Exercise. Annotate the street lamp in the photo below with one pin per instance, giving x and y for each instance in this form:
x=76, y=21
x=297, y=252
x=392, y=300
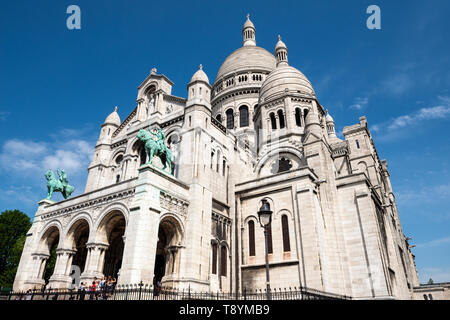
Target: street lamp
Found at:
x=265, y=218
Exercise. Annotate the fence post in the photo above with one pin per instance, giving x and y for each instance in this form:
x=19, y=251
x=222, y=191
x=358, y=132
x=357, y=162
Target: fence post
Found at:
x=140, y=289
x=189, y=292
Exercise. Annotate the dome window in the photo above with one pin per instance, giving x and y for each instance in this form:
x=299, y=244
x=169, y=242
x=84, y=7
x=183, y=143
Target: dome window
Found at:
x=273, y=121
x=230, y=119
x=281, y=118
x=243, y=116
x=298, y=117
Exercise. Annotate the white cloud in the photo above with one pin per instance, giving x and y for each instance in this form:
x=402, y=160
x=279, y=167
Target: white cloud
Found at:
x=359, y=103
x=434, y=243
x=415, y=118
x=24, y=159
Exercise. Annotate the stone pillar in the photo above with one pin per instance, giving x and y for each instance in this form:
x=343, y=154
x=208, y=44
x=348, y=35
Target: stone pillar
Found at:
x=38, y=267
x=94, y=261
x=61, y=278
x=141, y=113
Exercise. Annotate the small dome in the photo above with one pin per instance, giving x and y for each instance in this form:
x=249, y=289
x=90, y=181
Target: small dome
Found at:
x=285, y=78
x=200, y=75
x=280, y=44
x=247, y=58
x=248, y=23
x=113, y=118
x=329, y=118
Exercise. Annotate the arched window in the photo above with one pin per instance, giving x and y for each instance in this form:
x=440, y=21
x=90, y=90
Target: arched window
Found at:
x=243, y=116
x=298, y=116
x=224, y=166
x=214, y=258
x=251, y=238
x=285, y=230
x=305, y=113
x=230, y=119
x=219, y=118
x=281, y=117
x=273, y=121
x=117, y=178
x=223, y=261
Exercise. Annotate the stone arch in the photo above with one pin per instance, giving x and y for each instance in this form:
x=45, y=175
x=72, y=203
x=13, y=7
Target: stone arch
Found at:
x=80, y=216
x=111, y=231
x=50, y=235
x=170, y=239
x=150, y=86
x=137, y=150
x=76, y=238
x=116, y=153
x=362, y=167
x=50, y=239
x=292, y=153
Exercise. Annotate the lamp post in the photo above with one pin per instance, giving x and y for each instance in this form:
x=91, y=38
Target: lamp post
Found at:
x=265, y=218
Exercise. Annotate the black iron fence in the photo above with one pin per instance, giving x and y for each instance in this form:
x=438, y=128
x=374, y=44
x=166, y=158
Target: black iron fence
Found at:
x=146, y=292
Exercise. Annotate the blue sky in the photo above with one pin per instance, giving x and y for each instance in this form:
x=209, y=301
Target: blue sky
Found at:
x=58, y=85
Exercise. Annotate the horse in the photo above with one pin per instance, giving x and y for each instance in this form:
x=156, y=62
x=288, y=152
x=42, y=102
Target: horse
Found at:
x=54, y=184
x=153, y=148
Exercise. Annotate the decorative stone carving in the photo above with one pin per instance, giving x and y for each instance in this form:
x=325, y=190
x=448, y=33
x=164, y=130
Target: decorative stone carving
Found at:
x=173, y=204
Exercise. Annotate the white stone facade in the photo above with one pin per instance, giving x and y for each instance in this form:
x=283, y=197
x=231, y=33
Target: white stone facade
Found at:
x=259, y=132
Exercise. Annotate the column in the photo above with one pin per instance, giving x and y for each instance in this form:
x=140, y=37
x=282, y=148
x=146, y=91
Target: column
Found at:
x=94, y=261
x=61, y=277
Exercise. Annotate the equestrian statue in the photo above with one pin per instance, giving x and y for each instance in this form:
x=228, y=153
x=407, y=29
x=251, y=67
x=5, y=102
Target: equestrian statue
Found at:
x=58, y=185
x=155, y=145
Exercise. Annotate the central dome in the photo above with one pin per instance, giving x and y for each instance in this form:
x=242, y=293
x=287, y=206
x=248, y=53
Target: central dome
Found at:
x=247, y=58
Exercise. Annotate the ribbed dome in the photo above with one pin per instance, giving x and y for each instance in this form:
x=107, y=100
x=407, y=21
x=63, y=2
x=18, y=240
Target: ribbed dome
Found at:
x=247, y=58
x=200, y=75
x=282, y=78
x=113, y=118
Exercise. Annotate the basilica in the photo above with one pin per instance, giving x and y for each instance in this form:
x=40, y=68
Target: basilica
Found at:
x=258, y=132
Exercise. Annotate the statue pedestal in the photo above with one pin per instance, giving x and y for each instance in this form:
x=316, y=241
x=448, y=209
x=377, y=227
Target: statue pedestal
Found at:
x=45, y=202
x=146, y=211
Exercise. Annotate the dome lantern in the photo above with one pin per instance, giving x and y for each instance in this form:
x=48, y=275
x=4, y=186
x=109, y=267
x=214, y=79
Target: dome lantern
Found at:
x=248, y=32
x=281, y=53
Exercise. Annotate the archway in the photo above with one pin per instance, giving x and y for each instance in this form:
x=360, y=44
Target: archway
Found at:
x=48, y=246
x=167, y=249
x=111, y=232
x=78, y=236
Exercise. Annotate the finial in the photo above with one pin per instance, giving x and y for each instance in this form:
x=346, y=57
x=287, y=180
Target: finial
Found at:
x=248, y=16
x=279, y=38
x=153, y=71
x=115, y=109
x=200, y=66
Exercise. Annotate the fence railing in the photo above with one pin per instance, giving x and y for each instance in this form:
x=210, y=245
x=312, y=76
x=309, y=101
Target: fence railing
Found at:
x=148, y=292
